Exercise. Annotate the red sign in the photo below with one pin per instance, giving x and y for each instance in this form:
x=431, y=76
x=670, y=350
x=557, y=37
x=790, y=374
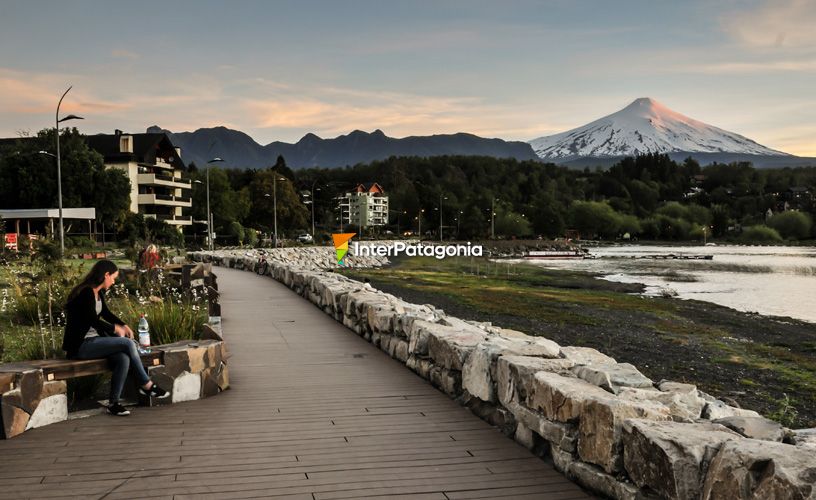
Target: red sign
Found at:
x=11, y=241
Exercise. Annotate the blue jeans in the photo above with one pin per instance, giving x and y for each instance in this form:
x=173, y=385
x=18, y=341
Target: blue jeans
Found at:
x=122, y=356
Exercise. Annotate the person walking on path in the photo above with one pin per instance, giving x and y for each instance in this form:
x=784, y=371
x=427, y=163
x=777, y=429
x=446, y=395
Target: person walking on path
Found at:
x=92, y=331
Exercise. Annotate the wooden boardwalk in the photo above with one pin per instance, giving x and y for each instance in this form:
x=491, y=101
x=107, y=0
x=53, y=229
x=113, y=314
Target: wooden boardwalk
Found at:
x=315, y=412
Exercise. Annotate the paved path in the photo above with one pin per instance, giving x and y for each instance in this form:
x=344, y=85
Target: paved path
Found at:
x=315, y=412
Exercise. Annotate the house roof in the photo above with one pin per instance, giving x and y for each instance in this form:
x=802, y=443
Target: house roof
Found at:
x=146, y=148
x=375, y=188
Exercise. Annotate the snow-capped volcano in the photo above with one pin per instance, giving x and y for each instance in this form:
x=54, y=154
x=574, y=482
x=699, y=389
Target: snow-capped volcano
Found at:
x=645, y=126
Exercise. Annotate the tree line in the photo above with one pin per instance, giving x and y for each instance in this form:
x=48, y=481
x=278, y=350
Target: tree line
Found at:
x=645, y=197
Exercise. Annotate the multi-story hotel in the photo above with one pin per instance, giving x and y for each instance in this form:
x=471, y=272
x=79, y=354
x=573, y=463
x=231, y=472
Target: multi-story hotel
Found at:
x=158, y=188
x=365, y=207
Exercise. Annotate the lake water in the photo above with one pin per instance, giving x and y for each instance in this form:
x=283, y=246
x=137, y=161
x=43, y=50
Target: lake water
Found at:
x=778, y=281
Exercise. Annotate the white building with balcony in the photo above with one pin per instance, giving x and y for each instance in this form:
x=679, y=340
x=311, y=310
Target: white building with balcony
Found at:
x=365, y=207
x=158, y=186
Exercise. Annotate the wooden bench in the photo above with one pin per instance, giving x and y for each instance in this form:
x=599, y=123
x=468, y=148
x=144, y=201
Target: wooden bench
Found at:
x=34, y=393
x=64, y=369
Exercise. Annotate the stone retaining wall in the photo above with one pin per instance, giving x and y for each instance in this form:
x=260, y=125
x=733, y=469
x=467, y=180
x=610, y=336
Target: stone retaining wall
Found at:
x=312, y=257
x=604, y=424
x=189, y=370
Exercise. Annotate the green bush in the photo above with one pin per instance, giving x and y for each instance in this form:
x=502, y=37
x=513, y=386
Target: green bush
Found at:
x=237, y=230
x=791, y=224
x=593, y=218
x=760, y=234
x=80, y=243
x=252, y=237
x=672, y=228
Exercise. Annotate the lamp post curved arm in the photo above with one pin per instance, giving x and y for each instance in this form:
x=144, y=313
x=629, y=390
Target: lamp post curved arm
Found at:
x=59, y=166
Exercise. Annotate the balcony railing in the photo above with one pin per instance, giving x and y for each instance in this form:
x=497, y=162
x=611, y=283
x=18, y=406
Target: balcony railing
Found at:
x=164, y=199
x=172, y=219
x=147, y=179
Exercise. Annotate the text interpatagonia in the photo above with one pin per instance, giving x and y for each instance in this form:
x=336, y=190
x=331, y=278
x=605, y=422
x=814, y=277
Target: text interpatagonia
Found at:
x=416, y=250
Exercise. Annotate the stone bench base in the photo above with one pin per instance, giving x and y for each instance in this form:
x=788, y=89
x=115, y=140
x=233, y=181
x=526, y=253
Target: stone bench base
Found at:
x=34, y=394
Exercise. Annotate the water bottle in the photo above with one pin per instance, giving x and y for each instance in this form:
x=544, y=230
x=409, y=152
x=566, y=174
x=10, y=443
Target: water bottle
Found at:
x=144, y=332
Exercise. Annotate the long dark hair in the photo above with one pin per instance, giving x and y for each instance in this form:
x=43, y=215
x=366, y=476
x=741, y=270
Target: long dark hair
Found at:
x=94, y=278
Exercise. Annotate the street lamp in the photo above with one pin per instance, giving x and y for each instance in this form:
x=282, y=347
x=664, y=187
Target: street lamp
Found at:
x=493, y=218
x=440, y=214
x=209, y=214
x=275, y=205
x=312, y=201
x=419, y=229
x=59, y=168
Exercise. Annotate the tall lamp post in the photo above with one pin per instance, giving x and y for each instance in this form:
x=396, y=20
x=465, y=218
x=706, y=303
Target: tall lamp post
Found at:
x=312, y=201
x=493, y=218
x=59, y=168
x=275, y=206
x=440, y=214
x=209, y=213
x=419, y=218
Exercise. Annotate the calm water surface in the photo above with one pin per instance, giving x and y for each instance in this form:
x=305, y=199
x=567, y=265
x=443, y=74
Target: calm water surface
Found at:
x=778, y=281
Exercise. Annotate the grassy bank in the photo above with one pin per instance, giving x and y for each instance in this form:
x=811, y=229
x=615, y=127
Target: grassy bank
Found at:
x=766, y=364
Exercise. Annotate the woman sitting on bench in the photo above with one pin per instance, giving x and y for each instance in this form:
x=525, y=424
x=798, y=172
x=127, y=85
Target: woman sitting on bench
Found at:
x=87, y=336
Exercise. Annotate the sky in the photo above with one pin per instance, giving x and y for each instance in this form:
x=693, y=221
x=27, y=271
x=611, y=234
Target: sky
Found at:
x=515, y=69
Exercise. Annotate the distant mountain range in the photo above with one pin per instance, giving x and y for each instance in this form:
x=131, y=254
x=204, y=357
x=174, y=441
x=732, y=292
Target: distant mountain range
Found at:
x=644, y=126
x=240, y=151
x=647, y=126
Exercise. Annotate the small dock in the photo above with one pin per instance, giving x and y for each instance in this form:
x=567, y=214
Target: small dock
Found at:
x=663, y=256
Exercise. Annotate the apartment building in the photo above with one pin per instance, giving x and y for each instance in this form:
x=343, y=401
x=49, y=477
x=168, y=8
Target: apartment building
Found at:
x=365, y=207
x=158, y=186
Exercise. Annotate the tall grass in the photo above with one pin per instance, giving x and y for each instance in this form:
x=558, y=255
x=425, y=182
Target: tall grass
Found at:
x=170, y=320
x=32, y=317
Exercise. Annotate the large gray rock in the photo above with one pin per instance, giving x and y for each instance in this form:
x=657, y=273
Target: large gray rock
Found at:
x=613, y=376
x=672, y=458
x=754, y=427
x=449, y=347
x=562, y=436
x=560, y=398
x=479, y=372
x=684, y=406
x=595, y=479
x=753, y=469
x=514, y=375
x=805, y=438
x=600, y=428
x=586, y=356
x=717, y=409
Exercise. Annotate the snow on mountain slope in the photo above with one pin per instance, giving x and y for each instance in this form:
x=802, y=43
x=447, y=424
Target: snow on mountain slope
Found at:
x=645, y=126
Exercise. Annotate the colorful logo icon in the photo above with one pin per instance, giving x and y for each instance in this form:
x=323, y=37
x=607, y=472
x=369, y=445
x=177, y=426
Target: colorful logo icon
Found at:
x=341, y=246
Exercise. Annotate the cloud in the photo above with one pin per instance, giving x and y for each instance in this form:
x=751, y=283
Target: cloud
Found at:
x=332, y=110
x=31, y=93
x=776, y=24
x=746, y=67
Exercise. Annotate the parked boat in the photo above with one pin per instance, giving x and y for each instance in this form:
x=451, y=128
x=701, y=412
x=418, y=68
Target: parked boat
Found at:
x=557, y=254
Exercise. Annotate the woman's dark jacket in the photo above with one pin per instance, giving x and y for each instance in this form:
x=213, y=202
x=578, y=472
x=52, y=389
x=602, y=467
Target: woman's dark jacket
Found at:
x=81, y=316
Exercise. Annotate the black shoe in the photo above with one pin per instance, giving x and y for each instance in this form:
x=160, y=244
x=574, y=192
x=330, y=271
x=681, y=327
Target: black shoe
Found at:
x=118, y=410
x=154, y=392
